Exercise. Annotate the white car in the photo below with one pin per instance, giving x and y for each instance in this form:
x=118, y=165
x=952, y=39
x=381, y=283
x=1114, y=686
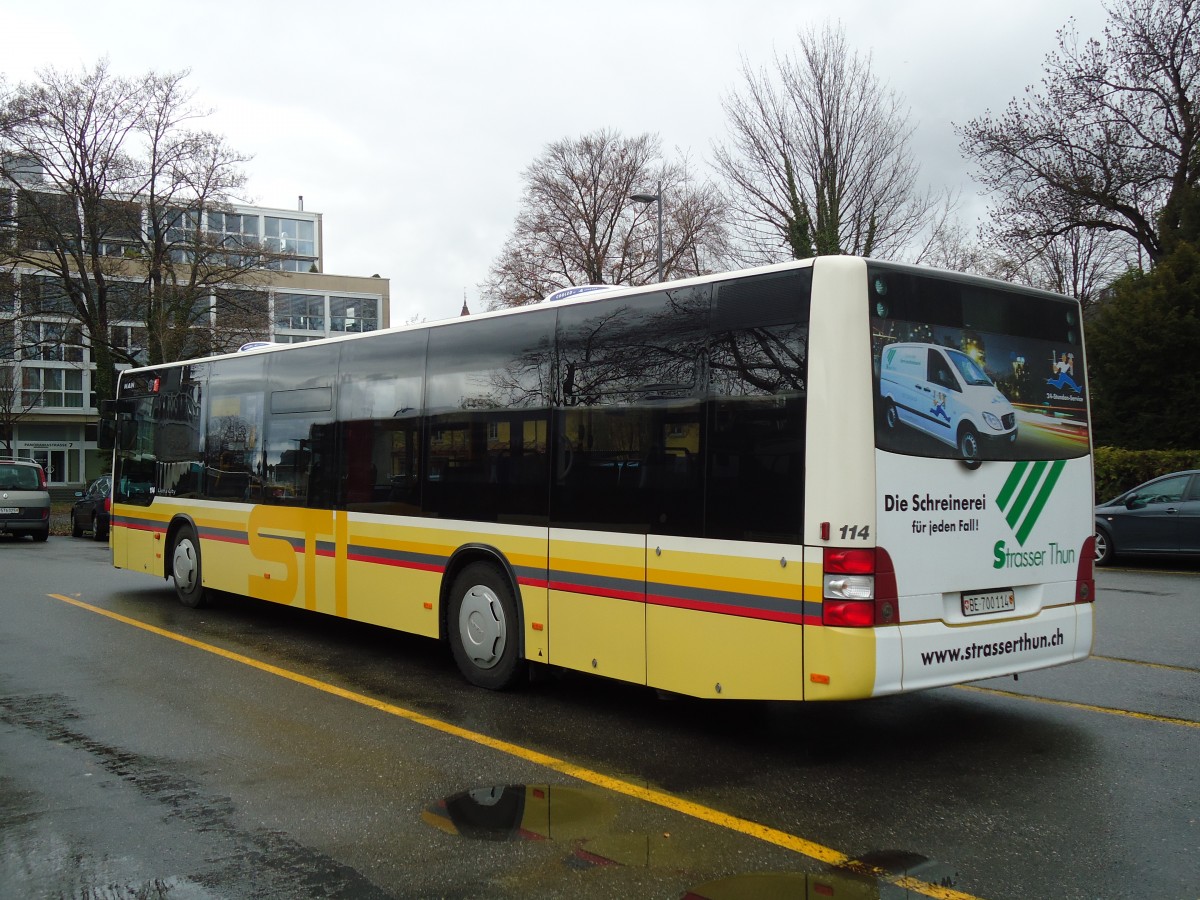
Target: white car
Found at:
x=24, y=499
x=946, y=394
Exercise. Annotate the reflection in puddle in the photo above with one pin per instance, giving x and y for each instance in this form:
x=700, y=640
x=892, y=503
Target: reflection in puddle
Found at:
x=893, y=864
x=585, y=821
x=576, y=817
x=879, y=875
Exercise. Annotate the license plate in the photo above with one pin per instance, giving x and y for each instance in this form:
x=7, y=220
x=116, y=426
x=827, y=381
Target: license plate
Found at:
x=983, y=603
x=9, y=510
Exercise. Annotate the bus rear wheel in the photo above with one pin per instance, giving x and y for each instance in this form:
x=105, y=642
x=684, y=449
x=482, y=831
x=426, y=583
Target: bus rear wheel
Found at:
x=185, y=569
x=483, y=627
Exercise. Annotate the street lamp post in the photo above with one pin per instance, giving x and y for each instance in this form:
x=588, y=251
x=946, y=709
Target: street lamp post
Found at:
x=654, y=198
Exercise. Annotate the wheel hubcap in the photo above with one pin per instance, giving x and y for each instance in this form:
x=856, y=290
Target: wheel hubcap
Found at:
x=481, y=626
x=184, y=566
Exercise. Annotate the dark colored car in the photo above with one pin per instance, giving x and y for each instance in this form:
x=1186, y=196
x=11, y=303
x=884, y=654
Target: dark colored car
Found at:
x=1161, y=516
x=92, y=508
x=24, y=499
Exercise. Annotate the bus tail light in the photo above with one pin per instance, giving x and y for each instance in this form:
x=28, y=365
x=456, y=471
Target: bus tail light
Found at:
x=1085, y=579
x=860, y=588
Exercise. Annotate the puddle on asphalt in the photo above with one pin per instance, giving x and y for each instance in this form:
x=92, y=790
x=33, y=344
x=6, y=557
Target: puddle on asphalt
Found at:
x=583, y=821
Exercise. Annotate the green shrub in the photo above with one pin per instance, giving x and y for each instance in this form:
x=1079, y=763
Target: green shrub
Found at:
x=1118, y=470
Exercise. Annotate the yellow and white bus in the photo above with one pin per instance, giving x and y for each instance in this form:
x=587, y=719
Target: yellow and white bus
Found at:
x=828, y=479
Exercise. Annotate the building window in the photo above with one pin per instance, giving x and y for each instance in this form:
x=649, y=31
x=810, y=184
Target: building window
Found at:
x=120, y=226
x=181, y=234
x=127, y=300
x=133, y=341
x=353, y=314
x=61, y=388
x=300, y=312
x=294, y=238
x=234, y=229
x=45, y=296
x=8, y=294
x=52, y=342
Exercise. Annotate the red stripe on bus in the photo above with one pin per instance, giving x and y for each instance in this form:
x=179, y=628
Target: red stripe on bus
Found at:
x=745, y=612
x=398, y=563
x=224, y=538
x=595, y=592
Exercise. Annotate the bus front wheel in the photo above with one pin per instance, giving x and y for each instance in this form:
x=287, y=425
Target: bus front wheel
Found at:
x=483, y=627
x=185, y=569
x=968, y=446
x=891, y=415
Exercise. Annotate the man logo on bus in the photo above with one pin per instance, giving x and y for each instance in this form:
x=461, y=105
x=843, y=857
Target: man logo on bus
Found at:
x=938, y=410
x=1064, y=372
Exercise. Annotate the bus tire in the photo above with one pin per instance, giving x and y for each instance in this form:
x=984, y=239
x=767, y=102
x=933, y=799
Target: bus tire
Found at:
x=483, y=627
x=185, y=569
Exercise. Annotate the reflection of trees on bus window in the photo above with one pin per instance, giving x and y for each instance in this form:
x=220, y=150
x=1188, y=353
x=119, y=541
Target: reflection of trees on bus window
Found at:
x=299, y=447
x=380, y=394
x=757, y=408
x=629, y=429
x=639, y=418
x=233, y=468
x=487, y=395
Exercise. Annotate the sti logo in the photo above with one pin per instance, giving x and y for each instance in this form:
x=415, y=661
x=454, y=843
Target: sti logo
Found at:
x=1025, y=493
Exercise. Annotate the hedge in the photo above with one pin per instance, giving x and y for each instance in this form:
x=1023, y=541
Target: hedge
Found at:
x=1118, y=470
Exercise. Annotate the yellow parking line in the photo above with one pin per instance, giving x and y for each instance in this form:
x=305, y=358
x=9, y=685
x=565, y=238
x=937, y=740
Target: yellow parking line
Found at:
x=1086, y=707
x=1146, y=665
x=617, y=785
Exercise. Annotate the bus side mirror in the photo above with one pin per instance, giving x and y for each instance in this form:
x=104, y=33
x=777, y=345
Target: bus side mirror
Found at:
x=106, y=434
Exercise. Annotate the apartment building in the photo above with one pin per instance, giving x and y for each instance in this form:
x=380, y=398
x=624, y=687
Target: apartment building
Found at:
x=47, y=405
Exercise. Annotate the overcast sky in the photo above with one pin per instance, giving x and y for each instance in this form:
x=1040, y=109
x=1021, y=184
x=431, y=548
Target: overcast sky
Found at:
x=408, y=125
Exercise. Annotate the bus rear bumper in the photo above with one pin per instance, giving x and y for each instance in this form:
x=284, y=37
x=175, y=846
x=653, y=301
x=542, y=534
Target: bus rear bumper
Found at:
x=932, y=654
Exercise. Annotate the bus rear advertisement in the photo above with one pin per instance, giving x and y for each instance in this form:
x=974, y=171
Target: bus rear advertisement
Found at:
x=828, y=479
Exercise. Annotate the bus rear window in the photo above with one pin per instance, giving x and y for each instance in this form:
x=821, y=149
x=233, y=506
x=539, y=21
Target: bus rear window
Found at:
x=966, y=370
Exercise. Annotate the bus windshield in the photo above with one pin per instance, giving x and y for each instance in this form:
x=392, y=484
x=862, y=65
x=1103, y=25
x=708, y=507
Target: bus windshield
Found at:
x=968, y=368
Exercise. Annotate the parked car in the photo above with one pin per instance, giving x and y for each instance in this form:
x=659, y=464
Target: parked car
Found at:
x=24, y=499
x=1161, y=516
x=92, y=508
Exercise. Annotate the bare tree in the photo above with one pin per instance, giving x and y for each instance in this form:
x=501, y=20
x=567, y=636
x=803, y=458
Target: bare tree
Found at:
x=110, y=187
x=1080, y=263
x=818, y=159
x=578, y=225
x=1110, y=142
